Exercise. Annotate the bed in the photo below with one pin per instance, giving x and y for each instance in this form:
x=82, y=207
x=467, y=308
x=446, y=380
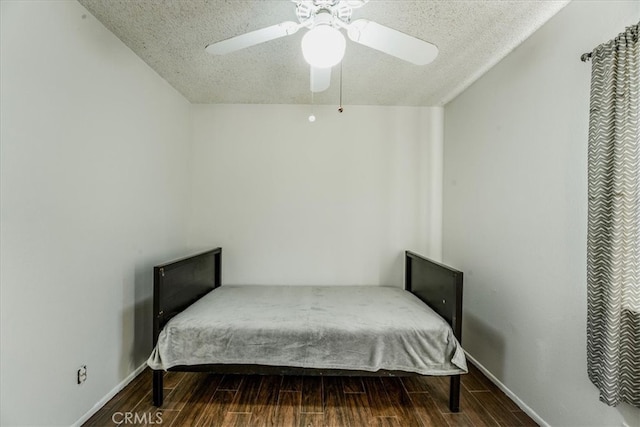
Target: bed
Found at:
x=200, y=325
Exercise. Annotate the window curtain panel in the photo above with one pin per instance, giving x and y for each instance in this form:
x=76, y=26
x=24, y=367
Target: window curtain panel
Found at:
x=613, y=246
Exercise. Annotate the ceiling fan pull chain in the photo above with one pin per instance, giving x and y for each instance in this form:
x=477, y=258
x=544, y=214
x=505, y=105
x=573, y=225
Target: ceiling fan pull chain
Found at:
x=312, y=117
x=340, y=109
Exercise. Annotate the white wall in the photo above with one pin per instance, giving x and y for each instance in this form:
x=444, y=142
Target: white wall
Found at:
x=94, y=187
x=515, y=213
x=331, y=202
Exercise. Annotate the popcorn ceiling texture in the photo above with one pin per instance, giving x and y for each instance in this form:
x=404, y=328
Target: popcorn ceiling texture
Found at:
x=171, y=36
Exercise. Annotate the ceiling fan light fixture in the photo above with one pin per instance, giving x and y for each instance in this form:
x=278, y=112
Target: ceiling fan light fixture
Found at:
x=323, y=46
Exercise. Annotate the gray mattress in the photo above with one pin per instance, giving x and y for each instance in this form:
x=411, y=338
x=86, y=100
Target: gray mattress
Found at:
x=366, y=328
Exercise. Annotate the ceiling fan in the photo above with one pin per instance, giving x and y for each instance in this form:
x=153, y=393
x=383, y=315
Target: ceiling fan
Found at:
x=323, y=45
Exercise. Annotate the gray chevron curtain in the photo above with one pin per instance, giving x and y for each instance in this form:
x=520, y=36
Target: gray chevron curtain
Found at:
x=613, y=246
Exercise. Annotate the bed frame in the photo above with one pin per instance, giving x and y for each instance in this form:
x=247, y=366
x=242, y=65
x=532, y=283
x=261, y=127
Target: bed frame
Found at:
x=178, y=284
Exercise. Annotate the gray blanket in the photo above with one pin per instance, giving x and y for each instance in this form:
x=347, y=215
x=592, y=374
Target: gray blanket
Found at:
x=325, y=327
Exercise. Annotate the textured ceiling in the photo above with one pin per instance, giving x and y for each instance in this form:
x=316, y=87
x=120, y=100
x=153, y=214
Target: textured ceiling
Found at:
x=170, y=36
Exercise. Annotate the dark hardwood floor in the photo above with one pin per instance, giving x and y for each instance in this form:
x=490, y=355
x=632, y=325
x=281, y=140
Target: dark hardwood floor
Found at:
x=199, y=399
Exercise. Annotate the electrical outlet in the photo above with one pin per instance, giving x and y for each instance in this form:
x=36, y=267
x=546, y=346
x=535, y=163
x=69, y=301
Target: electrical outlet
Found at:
x=82, y=374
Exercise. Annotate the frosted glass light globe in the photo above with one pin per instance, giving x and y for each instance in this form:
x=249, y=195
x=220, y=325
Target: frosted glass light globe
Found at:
x=323, y=46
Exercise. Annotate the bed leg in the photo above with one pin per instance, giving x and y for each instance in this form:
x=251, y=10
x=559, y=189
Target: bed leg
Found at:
x=157, y=387
x=454, y=393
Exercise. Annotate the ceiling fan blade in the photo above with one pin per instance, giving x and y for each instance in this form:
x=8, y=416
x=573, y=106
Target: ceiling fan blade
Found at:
x=392, y=42
x=320, y=79
x=252, y=38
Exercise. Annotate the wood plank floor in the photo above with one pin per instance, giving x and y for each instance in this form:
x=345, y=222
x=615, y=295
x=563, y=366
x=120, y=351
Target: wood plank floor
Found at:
x=200, y=399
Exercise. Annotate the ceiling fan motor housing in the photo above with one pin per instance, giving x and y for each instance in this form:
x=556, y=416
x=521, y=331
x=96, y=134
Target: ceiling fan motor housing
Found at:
x=336, y=13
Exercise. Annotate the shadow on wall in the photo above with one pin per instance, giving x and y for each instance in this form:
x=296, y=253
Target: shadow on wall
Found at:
x=137, y=324
x=391, y=270
x=484, y=343
x=142, y=316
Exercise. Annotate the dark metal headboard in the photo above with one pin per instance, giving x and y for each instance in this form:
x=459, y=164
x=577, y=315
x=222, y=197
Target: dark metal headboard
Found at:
x=438, y=285
x=178, y=284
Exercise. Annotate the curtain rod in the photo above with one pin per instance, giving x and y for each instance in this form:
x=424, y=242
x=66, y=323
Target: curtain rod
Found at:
x=585, y=57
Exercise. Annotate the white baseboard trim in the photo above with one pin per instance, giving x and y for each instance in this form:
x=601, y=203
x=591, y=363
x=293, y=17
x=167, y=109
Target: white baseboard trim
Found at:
x=526, y=409
x=110, y=395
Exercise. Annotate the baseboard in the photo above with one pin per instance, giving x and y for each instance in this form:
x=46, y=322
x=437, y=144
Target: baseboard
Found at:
x=526, y=409
x=110, y=395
